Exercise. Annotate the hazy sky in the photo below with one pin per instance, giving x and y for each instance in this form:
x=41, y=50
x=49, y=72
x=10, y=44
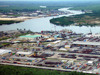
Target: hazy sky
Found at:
x=49, y=0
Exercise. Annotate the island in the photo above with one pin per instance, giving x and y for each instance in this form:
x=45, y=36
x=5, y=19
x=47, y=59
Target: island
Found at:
x=77, y=20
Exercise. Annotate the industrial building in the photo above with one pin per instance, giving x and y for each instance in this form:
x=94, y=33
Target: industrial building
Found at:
x=4, y=52
x=82, y=43
x=20, y=53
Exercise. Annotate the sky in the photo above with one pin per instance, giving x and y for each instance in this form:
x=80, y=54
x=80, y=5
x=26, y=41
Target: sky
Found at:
x=49, y=0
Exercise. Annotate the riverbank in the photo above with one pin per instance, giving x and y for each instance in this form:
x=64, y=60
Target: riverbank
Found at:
x=4, y=21
x=77, y=20
x=19, y=18
x=40, y=24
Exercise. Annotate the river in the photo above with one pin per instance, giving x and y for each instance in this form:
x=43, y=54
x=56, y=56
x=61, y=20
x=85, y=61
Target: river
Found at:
x=39, y=24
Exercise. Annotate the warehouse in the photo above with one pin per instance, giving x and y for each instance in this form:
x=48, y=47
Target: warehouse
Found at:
x=55, y=62
x=30, y=36
x=20, y=53
x=4, y=52
x=81, y=43
x=93, y=35
x=23, y=58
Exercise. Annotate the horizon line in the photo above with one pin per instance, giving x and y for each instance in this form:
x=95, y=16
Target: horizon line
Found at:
x=52, y=0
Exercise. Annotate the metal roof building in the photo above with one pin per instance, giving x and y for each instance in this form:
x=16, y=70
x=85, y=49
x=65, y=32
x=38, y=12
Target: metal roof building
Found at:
x=3, y=51
x=24, y=53
x=24, y=58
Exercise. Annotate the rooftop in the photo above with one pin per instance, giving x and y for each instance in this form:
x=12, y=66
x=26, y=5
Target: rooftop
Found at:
x=25, y=53
x=27, y=58
x=3, y=51
x=30, y=36
x=87, y=43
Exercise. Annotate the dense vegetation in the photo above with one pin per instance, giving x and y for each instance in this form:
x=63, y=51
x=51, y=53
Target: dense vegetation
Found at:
x=61, y=21
x=15, y=70
x=29, y=6
x=25, y=6
x=87, y=19
x=8, y=22
x=80, y=20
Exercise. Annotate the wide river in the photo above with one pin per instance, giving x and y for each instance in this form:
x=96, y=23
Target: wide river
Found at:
x=39, y=24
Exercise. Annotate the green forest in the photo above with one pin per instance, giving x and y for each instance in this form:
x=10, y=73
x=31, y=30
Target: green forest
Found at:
x=29, y=6
x=79, y=20
x=87, y=19
x=15, y=70
x=8, y=22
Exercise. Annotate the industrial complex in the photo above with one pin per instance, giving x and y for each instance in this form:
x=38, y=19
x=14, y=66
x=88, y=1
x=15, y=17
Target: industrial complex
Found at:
x=57, y=50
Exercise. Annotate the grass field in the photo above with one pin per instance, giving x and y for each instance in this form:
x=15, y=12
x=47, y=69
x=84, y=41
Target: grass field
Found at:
x=15, y=70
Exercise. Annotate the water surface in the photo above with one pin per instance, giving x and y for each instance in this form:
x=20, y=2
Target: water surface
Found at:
x=39, y=24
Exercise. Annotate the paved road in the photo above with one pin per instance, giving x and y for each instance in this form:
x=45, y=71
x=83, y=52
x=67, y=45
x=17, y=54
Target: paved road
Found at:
x=50, y=68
